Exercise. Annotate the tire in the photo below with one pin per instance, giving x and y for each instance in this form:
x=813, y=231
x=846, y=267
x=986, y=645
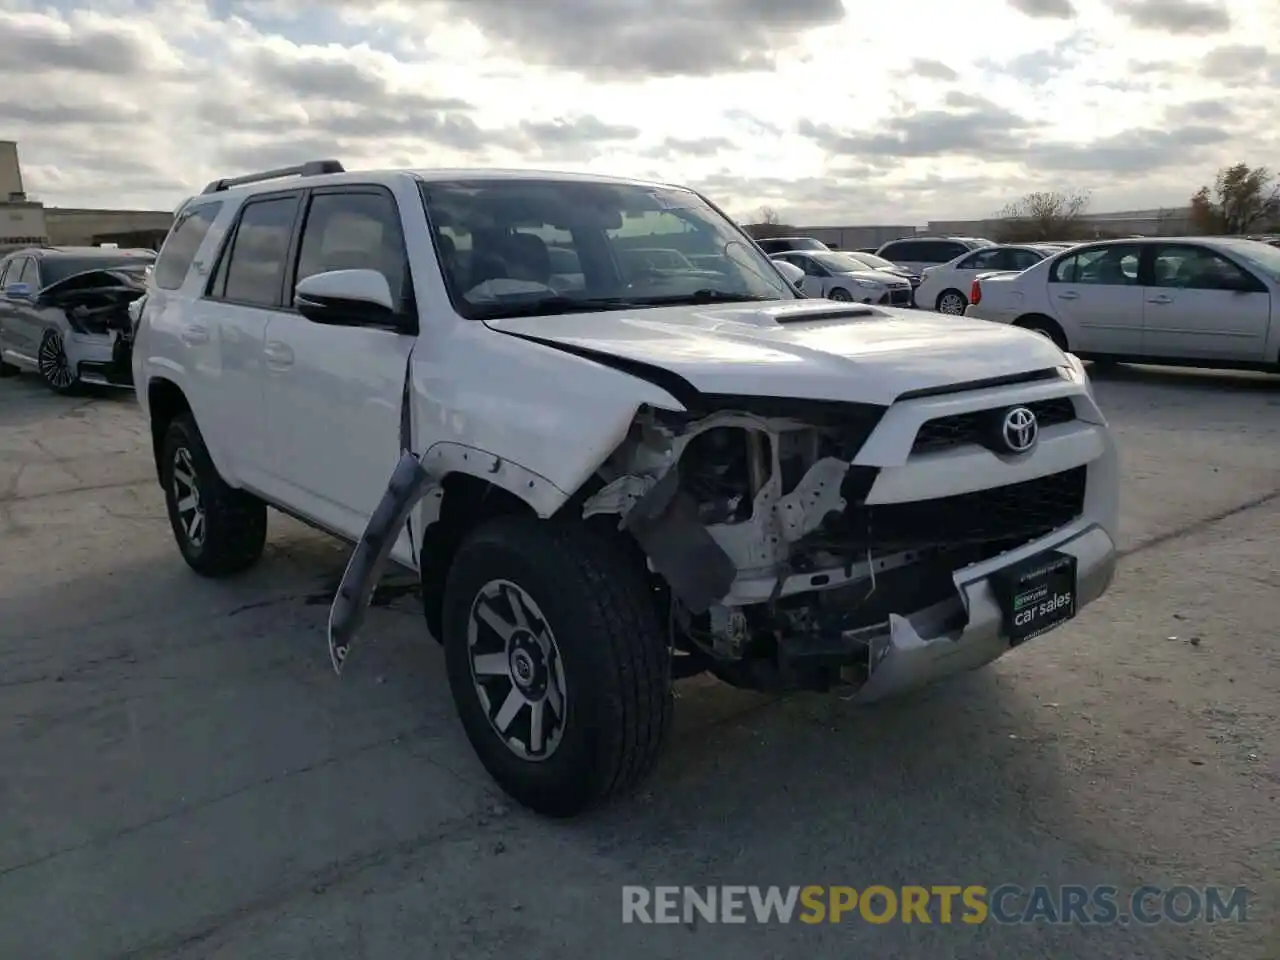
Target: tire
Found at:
x=606, y=663
x=231, y=531
x=951, y=302
x=51, y=362
x=1046, y=328
x=840, y=294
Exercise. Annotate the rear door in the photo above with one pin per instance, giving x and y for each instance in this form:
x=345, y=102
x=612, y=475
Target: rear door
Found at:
x=1201, y=305
x=1097, y=296
x=329, y=385
x=226, y=332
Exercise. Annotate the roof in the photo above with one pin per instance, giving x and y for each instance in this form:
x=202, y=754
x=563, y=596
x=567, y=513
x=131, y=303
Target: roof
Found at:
x=284, y=181
x=55, y=252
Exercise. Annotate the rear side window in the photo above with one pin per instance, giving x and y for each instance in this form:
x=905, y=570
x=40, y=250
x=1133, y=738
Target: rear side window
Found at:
x=254, y=268
x=898, y=251
x=182, y=244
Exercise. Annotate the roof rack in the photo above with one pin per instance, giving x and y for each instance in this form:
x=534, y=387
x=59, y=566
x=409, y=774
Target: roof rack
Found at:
x=312, y=168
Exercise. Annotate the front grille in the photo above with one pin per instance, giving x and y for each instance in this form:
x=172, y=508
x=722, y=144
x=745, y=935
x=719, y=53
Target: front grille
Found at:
x=1012, y=513
x=900, y=297
x=982, y=427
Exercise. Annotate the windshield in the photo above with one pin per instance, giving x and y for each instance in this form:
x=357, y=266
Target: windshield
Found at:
x=840, y=262
x=873, y=262
x=1261, y=254
x=531, y=247
x=55, y=269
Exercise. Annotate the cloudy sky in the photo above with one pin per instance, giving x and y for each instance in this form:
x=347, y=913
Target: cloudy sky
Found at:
x=830, y=112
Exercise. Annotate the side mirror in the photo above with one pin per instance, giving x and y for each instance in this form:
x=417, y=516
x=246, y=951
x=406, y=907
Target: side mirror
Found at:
x=789, y=270
x=357, y=298
x=18, y=291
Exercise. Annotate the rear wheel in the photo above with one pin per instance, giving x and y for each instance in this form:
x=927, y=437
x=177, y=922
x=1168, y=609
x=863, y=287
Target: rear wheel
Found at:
x=220, y=530
x=51, y=361
x=557, y=662
x=952, y=302
x=840, y=294
x=1046, y=328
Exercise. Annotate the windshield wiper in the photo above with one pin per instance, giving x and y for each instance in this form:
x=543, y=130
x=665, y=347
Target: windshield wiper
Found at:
x=703, y=296
x=551, y=306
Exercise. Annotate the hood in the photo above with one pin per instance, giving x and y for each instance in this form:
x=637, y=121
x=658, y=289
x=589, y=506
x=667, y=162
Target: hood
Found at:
x=803, y=349
x=878, y=276
x=103, y=285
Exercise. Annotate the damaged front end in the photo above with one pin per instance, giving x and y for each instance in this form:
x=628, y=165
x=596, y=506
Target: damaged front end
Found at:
x=97, y=303
x=780, y=575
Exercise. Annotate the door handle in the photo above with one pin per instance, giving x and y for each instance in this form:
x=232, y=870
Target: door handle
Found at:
x=1160, y=299
x=194, y=336
x=1069, y=295
x=278, y=354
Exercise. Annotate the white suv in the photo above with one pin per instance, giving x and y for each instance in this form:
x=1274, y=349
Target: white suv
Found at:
x=609, y=474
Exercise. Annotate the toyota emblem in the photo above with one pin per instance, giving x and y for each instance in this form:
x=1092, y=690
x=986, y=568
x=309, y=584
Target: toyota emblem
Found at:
x=1020, y=430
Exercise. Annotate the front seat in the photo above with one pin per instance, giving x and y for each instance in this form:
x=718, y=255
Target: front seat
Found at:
x=529, y=255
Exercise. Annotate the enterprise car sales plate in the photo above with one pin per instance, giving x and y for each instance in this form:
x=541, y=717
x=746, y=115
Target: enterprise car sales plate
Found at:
x=1036, y=595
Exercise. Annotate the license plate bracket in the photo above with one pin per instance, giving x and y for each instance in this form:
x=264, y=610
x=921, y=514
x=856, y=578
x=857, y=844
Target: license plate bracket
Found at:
x=1036, y=595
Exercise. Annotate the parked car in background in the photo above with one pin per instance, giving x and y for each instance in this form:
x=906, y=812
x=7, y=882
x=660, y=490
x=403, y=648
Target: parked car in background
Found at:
x=945, y=288
x=840, y=276
x=882, y=265
x=1194, y=301
x=64, y=313
x=916, y=253
x=772, y=245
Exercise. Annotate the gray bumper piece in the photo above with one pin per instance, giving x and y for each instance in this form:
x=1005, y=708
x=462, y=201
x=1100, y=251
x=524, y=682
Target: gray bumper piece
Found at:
x=410, y=482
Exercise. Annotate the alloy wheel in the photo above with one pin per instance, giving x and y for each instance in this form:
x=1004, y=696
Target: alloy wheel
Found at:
x=951, y=303
x=52, y=362
x=517, y=670
x=186, y=496
x=842, y=296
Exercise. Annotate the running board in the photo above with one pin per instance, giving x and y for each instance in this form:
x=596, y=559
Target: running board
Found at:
x=410, y=482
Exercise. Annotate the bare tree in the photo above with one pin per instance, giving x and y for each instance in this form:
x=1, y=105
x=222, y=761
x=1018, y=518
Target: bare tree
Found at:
x=768, y=224
x=1242, y=198
x=1043, y=215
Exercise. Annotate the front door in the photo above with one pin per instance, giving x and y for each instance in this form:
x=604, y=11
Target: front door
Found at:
x=1200, y=305
x=1097, y=295
x=334, y=393
x=22, y=328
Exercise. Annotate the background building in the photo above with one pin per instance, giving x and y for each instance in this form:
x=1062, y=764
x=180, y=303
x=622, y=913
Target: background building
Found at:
x=26, y=222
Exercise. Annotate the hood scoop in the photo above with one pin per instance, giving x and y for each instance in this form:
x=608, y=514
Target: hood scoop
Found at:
x=814, y=316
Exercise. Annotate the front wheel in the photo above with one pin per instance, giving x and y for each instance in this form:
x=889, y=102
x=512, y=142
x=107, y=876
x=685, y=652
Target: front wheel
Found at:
x=841, y=294
x=557, y=663
x=51, y=361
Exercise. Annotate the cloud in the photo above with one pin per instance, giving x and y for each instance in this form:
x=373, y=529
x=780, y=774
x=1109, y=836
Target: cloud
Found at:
x=1045, y=9
x=1241, y=63
x=973, y=126
x=618, y=39
x=135, y=104
x=1039, y=67
x=1183, y=17
x=932, y=70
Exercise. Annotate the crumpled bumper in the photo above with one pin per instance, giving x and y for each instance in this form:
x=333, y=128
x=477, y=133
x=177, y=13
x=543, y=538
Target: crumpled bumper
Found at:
x=915, y=655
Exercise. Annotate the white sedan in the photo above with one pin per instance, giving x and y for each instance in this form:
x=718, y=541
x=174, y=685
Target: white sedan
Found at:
x=1196, y=301
x=839, y=276
x=945, y=288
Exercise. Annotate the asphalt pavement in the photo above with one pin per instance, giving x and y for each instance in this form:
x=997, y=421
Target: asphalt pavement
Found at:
x=182, y=775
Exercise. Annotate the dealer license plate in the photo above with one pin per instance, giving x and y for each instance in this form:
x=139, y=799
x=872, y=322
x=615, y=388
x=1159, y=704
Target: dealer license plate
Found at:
x=1036, y=595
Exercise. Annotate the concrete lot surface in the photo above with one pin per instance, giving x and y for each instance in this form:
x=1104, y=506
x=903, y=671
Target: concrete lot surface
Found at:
x=182, y=775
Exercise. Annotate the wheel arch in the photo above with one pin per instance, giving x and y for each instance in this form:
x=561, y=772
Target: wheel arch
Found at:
x=1028, y=320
